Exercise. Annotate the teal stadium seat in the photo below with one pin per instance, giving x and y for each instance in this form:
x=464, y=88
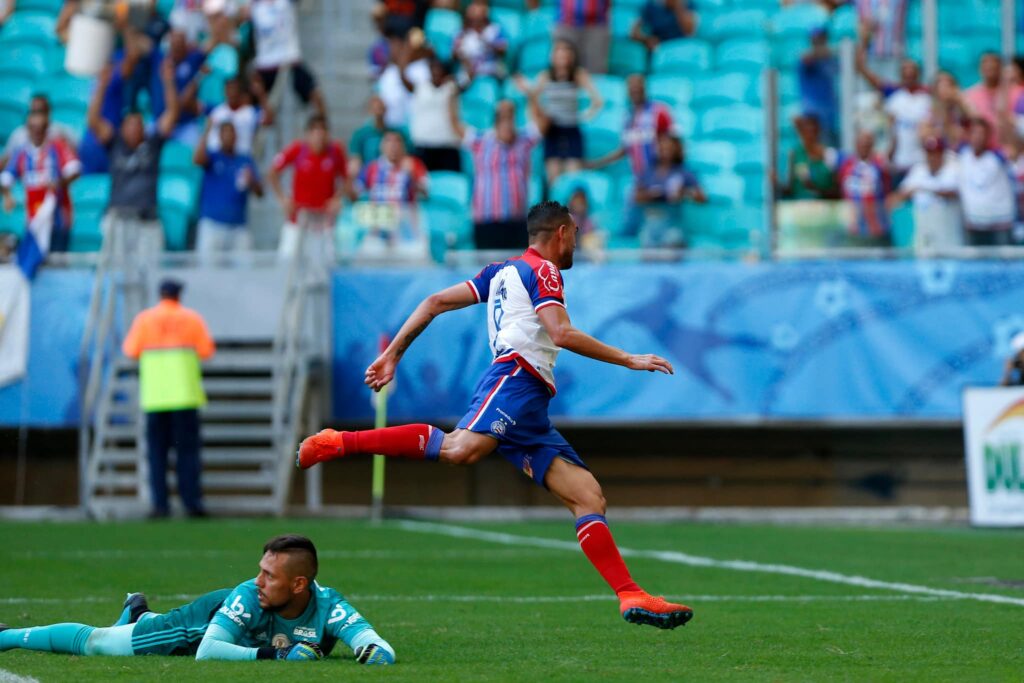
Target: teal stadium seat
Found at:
x=15, y=91
x=843, y=24
x=517, y=5
x=739, y=123
x=786, y=53
x=176, y=190
x=535, y=186
x=959, y=19
x=723, y=188
x=684, y=120
x=511, y=23
x=597, y=185
x=89, y=197
x=599, y=141
x=535, y=55
x=64, y=89
x=448, y=186
x=441, y=27
x=750, y=158
x=621, y=20
x=685, y=56
x=484, y=89
x=711, y=156
x=670, y=89
x=28, y=60
x=796, y=21
x=743, y=54
x=612, y=89
x=477, y=114
x=714, y=90
x=31, y=27
x=223, y=64
x=734, y=24
x=540, y=23
x=176, y=159
x=12, y=115
x=71, y=115
x=175, y=221
x=14, y=221
x=47, y=6
x=626, y=57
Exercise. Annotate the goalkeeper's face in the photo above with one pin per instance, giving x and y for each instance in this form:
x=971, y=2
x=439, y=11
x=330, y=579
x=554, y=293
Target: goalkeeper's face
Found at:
x=276, y=584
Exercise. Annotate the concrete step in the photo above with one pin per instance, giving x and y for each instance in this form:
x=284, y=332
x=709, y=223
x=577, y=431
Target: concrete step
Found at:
x=238, y=386
x=240, y=481
x=232, y=431
x=262, y=457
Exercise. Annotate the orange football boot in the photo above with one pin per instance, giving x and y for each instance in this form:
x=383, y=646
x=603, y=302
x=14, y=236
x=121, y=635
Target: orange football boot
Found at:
x=325, y=445
x=639, y=607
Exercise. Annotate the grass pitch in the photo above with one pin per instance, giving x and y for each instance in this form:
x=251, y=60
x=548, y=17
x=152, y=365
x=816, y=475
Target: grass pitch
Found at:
x=470, y=606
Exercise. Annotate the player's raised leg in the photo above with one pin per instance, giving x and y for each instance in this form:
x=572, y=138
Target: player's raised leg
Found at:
x=414, y=441
x=577, y=488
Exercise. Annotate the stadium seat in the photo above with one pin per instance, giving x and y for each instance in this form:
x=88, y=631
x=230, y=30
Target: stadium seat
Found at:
x=175, y=220
x=535, y=55
x=90, y=191
x=484, y=89
x=786, y=53
x=612, y=89
x=682, y=57
x=788, y=88
x=518, y=5
x=598, y=141
x=734, y=24
x=843, y=24
x=621, y=20
x=739, y=123
x=68, y=90
x=597, y=185
x=176, y=158
x=535, y=186
x=750, y=157
x=11, y=116
x=15, y=91
x=710, y=156
x=796, y=21
x=24, y=59
x=720, y=89
x=48, y=6
x=477, y=114
x=626, y=57
x=450, y=221
x=743, y=54
x=723, y=188
x=176, y=190
x=670, y=89
x=957, y=19
x=14, y=221
x=441, y=27
x=684, y=120
x=540, y=23
x=71, y=115
x=30, y=27
x=449, y=186
x=511, y=22
x=223, y=64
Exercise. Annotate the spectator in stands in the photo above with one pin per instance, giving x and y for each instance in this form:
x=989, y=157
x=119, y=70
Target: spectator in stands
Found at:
x=645, y=121
x=864, y=181
x=378, y=54
x=812, y=163
x=591, y=237
x=555, y=105
x=994, y=96
x=405, y=15
x=246, y=117
x=187, y=62
x=828, y=5
x=189, y=18
x=660, y=193
x=39, y=105
x=908, y=105
x=584, y=23
x=482, y=44
x=131, y=222
x=228, y=178
x=364, y=144
x=276, y=30
x=1013, y=370
x=662, y=20
x=501, y=167
x=934, y=185
x=45, y=166
x=319, y=183
x=394, y=176
x=437, y=144
x=411, y=53
x=817, y=75
x=883, y=29
x=948, y=118
x=169, y=341
x=986, y=188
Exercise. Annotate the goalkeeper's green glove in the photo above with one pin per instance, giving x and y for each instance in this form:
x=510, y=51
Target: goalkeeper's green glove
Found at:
x=374, y=654
x=300, y=652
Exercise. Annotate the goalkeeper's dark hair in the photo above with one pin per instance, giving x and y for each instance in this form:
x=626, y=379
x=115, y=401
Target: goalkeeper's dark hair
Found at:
x=300, y=551
x=545, y=217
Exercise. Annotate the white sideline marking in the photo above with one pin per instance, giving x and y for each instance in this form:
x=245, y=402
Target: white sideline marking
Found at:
x=11, y=677
x=698, y=561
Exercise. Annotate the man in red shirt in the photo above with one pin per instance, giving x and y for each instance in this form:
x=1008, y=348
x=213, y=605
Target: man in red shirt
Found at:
x=319, y=182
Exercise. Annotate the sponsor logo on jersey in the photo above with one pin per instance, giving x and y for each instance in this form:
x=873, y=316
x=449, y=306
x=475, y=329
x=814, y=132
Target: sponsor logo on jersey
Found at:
x=356, y=616
x=498, y=427
x=280, y=640
x=506, y=416
x=527, y=467
x=548, y=274
x=303, y=632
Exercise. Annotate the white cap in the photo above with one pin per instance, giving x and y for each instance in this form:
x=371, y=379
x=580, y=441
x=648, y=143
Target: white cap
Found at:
x=1017, y=343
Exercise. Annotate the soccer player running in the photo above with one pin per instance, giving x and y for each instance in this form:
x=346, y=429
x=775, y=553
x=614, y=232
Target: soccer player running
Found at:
x=527, y=325
x=281, y=614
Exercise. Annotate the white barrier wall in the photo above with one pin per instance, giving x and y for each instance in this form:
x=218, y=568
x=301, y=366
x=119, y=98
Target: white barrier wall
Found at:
x=994, y=446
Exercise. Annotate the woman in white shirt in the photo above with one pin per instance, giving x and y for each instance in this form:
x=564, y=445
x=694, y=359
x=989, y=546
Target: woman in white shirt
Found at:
x=430, y=120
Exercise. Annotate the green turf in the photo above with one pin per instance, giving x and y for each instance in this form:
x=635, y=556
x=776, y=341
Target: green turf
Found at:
x=407, y=584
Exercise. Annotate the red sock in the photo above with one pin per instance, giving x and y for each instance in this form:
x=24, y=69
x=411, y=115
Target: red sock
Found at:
x=418, y=441
x=599, y=547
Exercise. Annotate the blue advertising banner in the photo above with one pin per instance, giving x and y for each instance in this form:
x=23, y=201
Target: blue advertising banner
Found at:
x=838, y=340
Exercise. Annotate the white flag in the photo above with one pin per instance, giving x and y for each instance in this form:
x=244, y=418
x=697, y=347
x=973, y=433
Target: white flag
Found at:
x=14, y=310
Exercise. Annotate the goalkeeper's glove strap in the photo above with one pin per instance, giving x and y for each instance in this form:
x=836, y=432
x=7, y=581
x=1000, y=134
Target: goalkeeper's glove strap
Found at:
x=266, y=653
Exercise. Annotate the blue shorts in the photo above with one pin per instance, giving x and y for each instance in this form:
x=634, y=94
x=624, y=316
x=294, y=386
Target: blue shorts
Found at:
x=511, y=405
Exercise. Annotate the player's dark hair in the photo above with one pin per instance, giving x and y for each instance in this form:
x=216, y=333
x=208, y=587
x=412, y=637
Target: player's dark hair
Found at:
x=316, y=121
x=298, y=547
x=546, y=217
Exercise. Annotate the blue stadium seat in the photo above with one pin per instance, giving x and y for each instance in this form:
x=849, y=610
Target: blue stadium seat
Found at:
x=449, y=186
x=716, y=90
x=843, y=24
x=24, y=59
x=477, y=114
x=739, y=123
x=786, y=53
x=612, y=89
x=223, y=64
x=540, y=23
x=11, y=116
x=483, y=88
x=175, y=220
x=176, y=158
x=599, y=141
x=176, y=190
x=743, y=54
x=65, y=89
x=90, y=191
x=671, y=89
x=15, y=91
x=441, y=27
x=14, y=222
x=734, y=24
x=710, y=156
x=71, y=115
x=31, y=27
x=626, y=57
x=535, y=55
x=683, y=56
x=621, y=20
x=511, y=22
x=684, y=120
x=750, y=158
x=796, y=21
x=597, y=185
x=48, y=6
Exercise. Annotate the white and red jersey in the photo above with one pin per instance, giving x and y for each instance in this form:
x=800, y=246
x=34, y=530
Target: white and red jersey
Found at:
x=39, y=169
x=515, y=290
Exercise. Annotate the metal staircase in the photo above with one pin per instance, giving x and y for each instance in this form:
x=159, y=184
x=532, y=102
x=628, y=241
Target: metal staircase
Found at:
x=259, y=391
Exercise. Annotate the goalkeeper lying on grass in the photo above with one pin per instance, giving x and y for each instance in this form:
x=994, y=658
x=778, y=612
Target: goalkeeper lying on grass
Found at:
x=281, y=614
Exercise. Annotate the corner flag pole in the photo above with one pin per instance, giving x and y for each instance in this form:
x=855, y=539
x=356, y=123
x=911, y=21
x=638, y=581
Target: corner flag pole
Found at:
x=380, y=400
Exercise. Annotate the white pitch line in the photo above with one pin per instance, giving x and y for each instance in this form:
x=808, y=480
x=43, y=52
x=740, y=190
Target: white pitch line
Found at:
x=698, y=561
x=119, y=555
x=11, y=677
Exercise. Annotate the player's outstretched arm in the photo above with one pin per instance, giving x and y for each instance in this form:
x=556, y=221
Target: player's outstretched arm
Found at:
x=564, y=335
x=382, y=370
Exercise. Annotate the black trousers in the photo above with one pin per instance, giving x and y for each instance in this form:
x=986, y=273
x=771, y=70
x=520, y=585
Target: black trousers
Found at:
x=178, y=429
x=496, y=235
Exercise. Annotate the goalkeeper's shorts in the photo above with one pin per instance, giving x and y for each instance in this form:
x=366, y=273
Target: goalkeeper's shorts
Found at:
x=178, y=632
x=511, y=405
